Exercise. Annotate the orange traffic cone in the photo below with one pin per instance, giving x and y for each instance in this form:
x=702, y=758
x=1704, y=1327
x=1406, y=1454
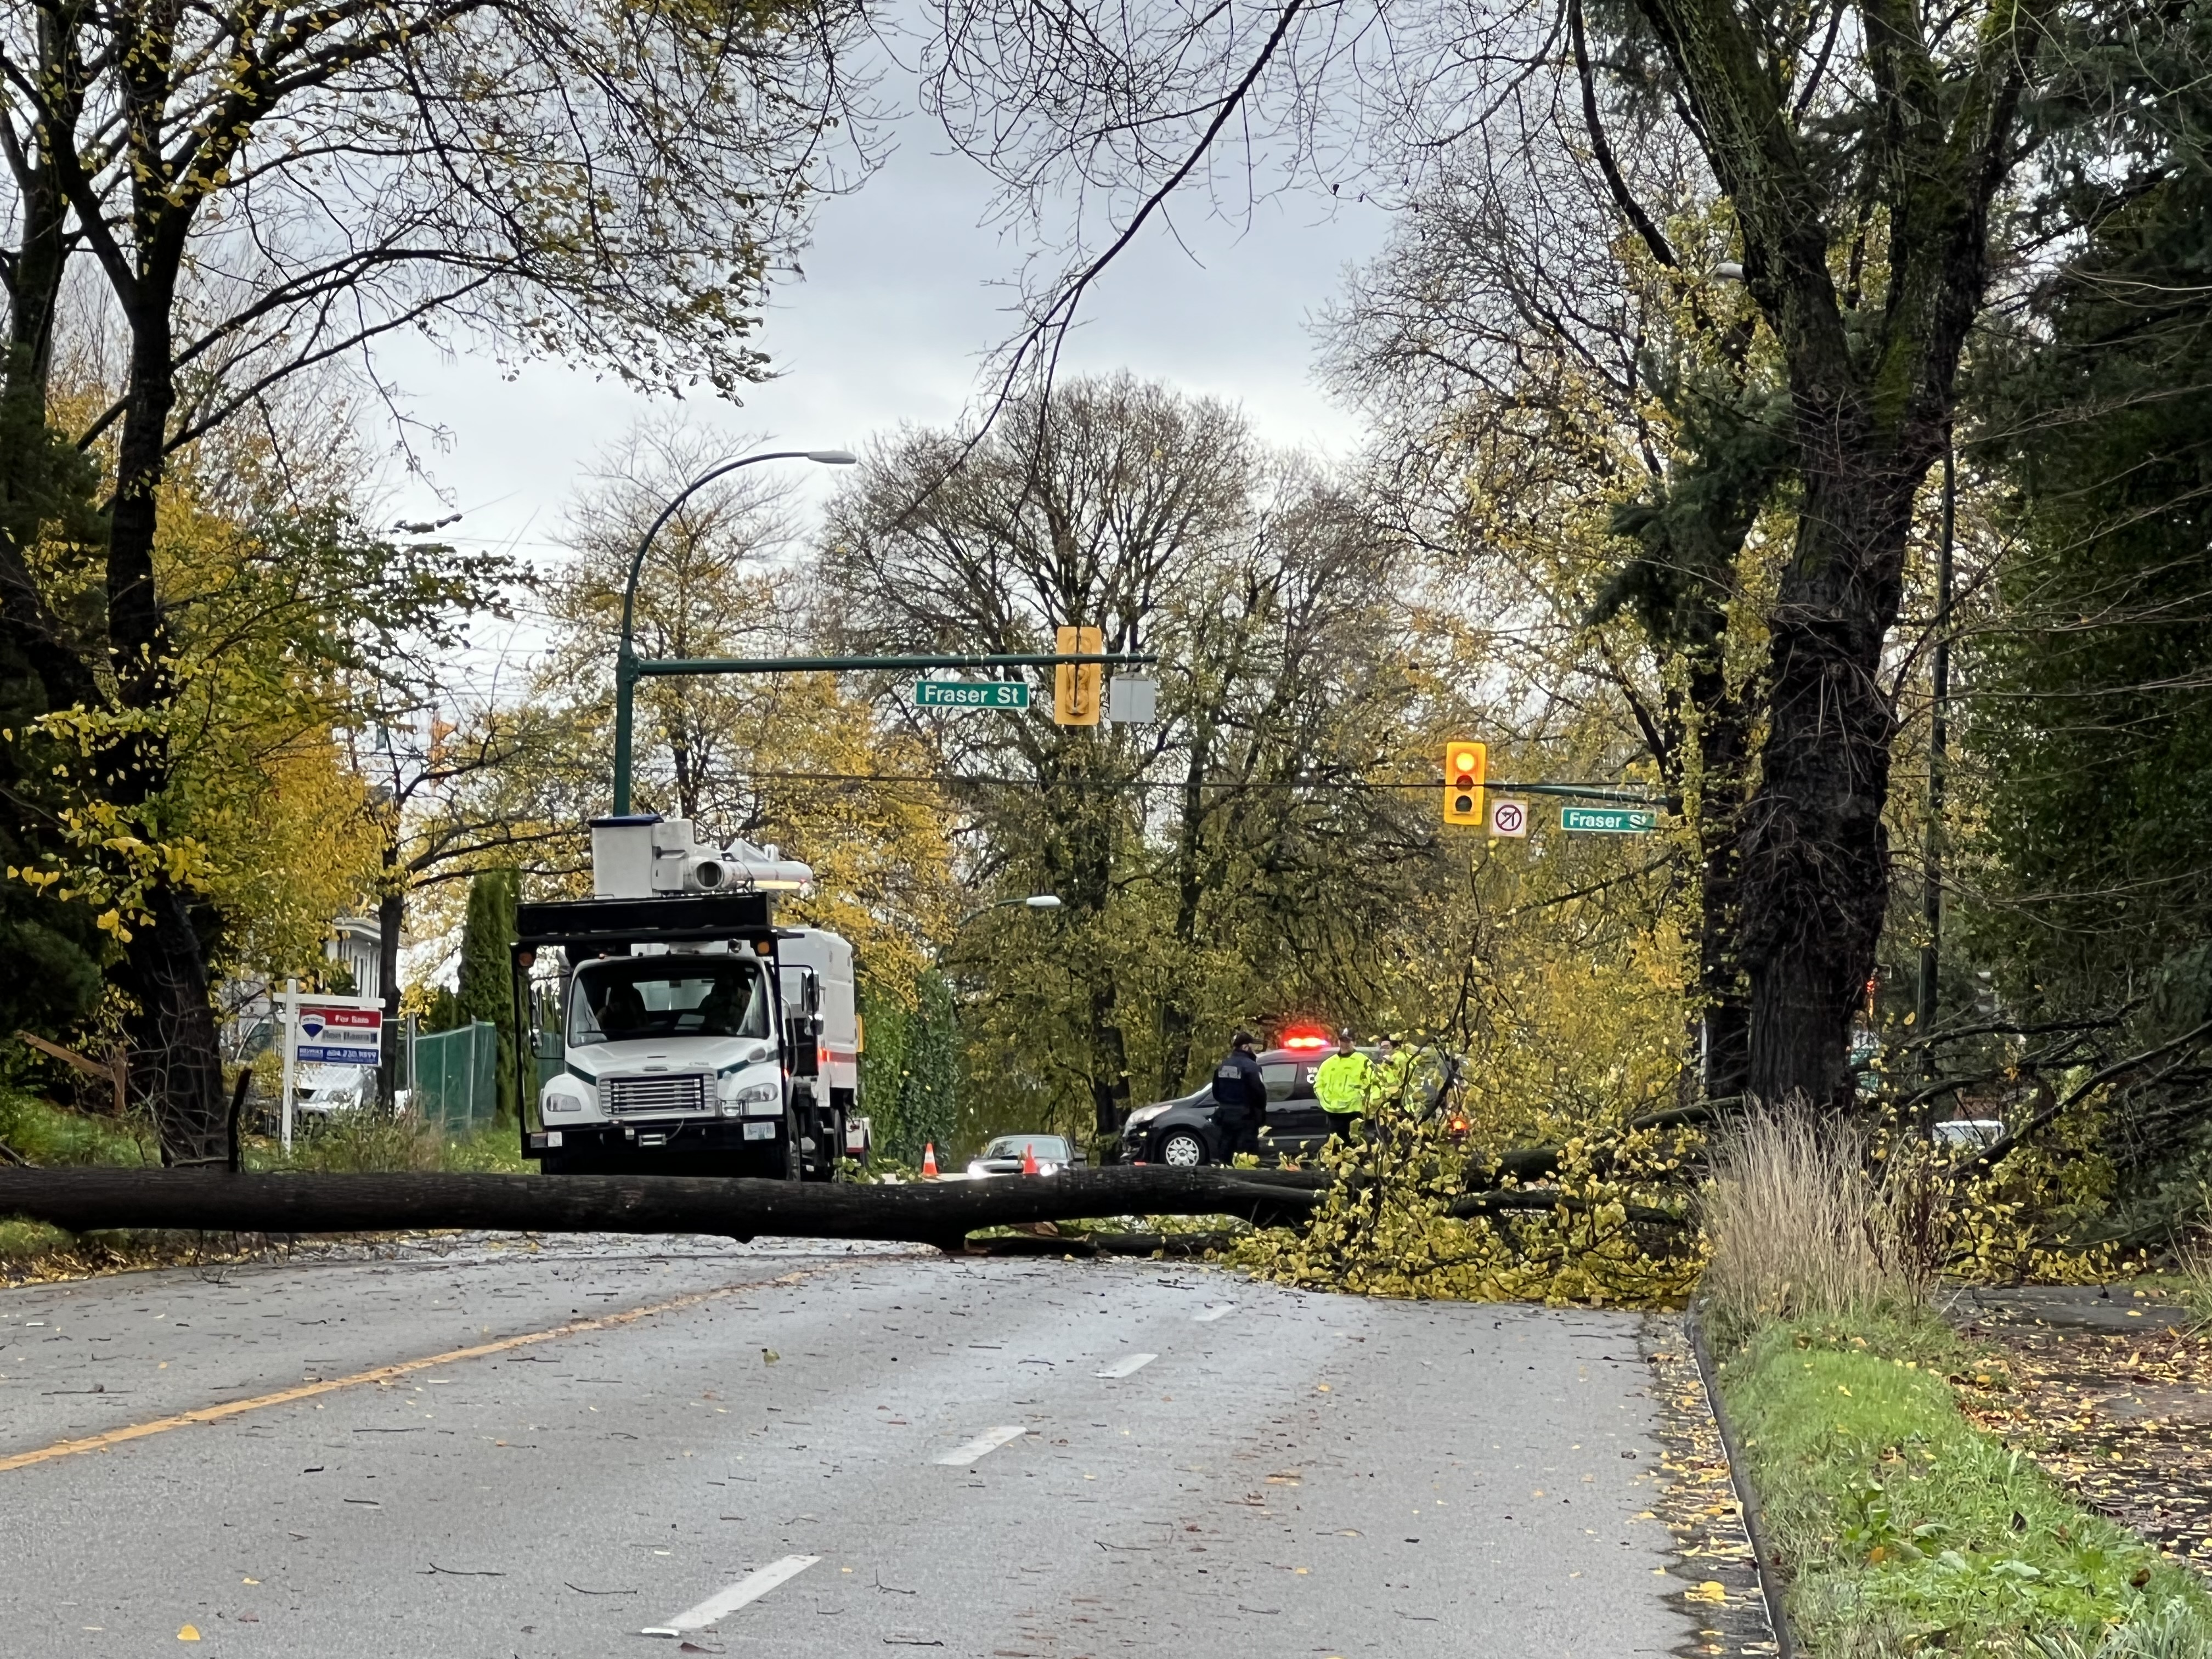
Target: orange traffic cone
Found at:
x=929, y=1160
x=1029, y=1160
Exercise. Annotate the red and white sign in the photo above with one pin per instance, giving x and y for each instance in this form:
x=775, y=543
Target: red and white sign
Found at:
x=340, y=1036
x=1508, y=818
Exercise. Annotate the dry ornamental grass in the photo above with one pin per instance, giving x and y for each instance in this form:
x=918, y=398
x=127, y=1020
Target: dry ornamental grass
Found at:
x=1796, y=1227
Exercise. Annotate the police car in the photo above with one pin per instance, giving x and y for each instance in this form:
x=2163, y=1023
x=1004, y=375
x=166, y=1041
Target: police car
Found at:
x=1183, y=1134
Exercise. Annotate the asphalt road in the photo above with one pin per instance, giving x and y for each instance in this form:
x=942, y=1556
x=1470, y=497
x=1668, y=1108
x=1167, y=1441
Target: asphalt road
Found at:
x=987, y=1458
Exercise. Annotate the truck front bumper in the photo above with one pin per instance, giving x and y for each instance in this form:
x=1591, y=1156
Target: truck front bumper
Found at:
x=689, y=1135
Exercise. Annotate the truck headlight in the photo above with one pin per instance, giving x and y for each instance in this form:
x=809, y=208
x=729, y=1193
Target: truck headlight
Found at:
x=754, y=1100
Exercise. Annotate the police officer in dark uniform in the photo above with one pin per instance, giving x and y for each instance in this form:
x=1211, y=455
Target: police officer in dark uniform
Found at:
x=1240, y=1096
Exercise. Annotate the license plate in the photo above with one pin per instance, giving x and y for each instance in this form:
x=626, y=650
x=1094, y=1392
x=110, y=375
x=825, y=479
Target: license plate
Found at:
x=763, y=1131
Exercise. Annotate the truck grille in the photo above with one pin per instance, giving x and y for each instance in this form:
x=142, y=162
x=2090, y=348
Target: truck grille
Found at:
x=659, y=1095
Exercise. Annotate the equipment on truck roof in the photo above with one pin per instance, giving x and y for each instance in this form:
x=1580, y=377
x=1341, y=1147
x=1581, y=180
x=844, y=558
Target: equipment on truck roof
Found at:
x=678, y=1029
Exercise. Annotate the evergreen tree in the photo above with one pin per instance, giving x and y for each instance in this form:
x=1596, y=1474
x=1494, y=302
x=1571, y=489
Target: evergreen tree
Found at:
x=910, y=1073
x=2094, y=714
x=929, y=1102
x=487, y=976
x=51, y=945
x=887, y=1024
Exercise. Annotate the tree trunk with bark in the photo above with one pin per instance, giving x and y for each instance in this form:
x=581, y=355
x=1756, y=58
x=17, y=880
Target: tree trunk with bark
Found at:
x=28, y=452
x=929, y=1213
x=179, y=1059
x=1816, y=856
x=1871, y=382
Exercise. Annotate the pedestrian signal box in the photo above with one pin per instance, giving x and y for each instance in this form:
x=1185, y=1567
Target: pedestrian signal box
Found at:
x=1465, y=764
x=1076, y=686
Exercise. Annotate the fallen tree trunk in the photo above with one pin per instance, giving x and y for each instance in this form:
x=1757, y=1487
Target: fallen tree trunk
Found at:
x=939, y=1213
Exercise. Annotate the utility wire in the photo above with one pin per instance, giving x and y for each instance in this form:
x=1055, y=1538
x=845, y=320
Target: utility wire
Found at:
x=1578, y=791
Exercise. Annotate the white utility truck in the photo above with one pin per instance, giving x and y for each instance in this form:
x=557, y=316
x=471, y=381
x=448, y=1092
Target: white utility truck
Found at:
x=693, y=1035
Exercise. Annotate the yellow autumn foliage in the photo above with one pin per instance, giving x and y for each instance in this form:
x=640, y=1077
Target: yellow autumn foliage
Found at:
x=259, y=816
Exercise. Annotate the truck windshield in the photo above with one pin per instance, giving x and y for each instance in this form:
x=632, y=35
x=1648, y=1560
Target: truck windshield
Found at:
x=624, y=1001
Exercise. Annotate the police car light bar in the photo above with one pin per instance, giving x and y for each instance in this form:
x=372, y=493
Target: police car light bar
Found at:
x=1306, y=1036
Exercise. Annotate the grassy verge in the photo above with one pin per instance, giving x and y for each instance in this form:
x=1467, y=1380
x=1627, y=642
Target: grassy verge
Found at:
x=39, y=1132
x=1905, y=1530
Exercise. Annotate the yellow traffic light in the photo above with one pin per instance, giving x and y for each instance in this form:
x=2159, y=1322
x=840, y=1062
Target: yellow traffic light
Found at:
x=1075, y=686
x=1466, y=762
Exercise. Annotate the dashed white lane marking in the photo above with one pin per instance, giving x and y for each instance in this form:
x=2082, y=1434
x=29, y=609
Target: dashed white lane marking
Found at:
x=984, y=1444
x=724, y=1602
x=1129, y=1367
x=1215, y=1313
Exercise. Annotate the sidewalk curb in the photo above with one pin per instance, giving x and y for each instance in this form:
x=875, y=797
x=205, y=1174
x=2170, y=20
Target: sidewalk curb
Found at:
x=1755, y=1521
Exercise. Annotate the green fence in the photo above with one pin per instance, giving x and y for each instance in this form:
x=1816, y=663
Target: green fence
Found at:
x=457, y=1076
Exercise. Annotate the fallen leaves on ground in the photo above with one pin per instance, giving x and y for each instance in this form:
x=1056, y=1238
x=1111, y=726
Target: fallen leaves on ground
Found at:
x=1691, y=1493
x=2124, y=1420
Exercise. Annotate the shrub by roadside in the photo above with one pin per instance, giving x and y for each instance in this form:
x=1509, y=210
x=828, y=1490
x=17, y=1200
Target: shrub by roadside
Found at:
x=366, y=1140
x=1904, y=1529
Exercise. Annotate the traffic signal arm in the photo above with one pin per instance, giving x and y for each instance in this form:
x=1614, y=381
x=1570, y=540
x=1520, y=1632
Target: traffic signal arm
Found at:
x=1466, y=764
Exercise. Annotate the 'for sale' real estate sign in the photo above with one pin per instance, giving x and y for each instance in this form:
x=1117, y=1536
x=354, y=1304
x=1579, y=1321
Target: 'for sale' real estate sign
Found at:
x=341, y=1036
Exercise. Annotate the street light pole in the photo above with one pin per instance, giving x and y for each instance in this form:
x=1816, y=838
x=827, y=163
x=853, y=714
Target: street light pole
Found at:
x=626, y=663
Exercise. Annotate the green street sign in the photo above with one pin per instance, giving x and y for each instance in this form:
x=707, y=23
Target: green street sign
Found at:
x=971, y=694
x=1607, y=820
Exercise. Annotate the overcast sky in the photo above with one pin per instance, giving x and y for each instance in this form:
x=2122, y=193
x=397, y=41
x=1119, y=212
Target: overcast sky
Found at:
x=889, y=324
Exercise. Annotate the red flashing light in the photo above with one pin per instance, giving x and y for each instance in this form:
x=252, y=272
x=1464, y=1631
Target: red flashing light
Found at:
x=1306, y=1036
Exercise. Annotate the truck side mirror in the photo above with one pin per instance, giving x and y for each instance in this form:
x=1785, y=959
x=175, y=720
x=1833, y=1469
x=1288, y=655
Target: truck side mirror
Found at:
x=805, y=1046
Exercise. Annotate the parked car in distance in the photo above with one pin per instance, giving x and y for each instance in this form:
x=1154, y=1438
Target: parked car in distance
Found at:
x=1006, y=1153
x=1182, y=1133
x=320, y=1090
x=1976, y=1132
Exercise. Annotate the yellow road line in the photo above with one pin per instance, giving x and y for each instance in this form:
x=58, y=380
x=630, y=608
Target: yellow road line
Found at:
x=380, y=1373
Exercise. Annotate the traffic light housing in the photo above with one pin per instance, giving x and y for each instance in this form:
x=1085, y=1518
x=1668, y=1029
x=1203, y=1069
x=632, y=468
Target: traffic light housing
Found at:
x=1466, y=764
x=1076, y=686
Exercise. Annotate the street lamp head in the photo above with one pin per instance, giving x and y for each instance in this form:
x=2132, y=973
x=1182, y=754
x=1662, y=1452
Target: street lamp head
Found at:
x=834, y=457
x=1042, y=901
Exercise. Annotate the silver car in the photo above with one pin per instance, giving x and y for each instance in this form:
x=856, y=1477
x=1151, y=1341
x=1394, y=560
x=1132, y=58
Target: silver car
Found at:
x=1006, y=1154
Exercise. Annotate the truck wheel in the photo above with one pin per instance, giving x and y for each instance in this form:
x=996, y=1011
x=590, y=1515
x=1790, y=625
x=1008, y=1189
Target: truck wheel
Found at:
x=1182, y=1150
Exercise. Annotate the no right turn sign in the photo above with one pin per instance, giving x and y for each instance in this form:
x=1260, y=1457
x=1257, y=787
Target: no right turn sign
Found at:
x=1509, y=818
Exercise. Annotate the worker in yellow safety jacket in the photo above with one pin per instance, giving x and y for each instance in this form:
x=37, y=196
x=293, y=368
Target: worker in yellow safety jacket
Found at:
x=1340, y=1083
x=1389, y=1078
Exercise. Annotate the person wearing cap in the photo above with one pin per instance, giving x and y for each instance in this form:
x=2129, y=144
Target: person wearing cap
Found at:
x=1240, y=1097
x=1340, y=1083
